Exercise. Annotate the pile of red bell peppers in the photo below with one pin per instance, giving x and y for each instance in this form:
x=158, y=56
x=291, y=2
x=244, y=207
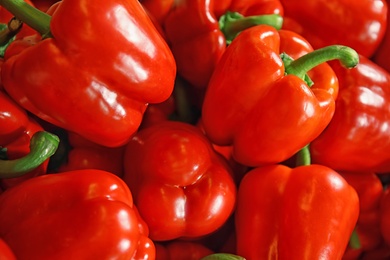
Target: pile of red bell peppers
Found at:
x=194, y=129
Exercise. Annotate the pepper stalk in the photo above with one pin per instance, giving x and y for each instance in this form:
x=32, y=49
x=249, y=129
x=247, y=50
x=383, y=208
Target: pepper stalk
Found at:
x=42, y=145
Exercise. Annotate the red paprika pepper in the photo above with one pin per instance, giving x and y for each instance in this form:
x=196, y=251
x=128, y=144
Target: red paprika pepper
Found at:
x=307, y=212
x=98, y=87
x=24, y=146
x=86, y=214
x=358, y=137
x=266, y=115
x=358, y=24
x=197, y=40
x=172, y=168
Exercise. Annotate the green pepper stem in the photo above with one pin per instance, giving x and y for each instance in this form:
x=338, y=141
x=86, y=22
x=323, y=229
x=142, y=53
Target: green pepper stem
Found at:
x=33, y=17
x=232, y=23
x=42, y=145
x=223, y=256
x=348, y=57
x=303, y=156
x=354, y=241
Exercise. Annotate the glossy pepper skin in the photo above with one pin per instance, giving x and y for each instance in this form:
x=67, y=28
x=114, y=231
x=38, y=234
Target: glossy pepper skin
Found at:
x=181, y=186
x=251, y=104
x=307, y=212
x=195, y=36
x=6, y=252
x=98, y=87
x=360, y=25
x=358, y=137
x=86, y=214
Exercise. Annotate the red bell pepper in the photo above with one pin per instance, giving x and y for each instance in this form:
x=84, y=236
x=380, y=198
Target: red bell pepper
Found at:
x=360, y=25
x=266, y=115
x=172, y=168
x=358, y=137
x=98, y=87
x=25, y=148
x=84, y=154
x=86, y=214
x=307, y=212
x=197, y=40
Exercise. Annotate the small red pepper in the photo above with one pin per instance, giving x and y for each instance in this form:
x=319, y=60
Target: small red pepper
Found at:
x=265, y=114
x=24, y=146
x=84, y=154
x=181, y=186
x=358, y=138
x=307, y=212
x=75, y=78
x=86, y=214
x=197, y=39
x=360, y=25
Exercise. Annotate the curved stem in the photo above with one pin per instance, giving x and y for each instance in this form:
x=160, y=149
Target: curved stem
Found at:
x=33, y=17
x=232, y=23
x=42, y=146
x=348, y=57
x=303, y=156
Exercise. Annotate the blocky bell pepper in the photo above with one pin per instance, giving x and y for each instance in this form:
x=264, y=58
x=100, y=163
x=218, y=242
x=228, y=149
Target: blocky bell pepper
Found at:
x=259, y=98
x=358, y=138
x=360, y=25
x=98, y=87
x=25, y=148
x=306, y=212
x=172, y=168
x=84, y=154
x=86, y=214
x=197, y=40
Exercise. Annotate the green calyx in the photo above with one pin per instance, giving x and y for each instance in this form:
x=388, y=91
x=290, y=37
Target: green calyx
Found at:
x=348, y=57
x=33, y=17
x=232, y=23
x=42, y=145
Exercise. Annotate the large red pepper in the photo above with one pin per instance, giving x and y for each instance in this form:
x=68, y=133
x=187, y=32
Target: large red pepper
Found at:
x=98, y=86
x=197, y=40
x=181, y=186
x=360, y=25
x=358, y=137
x=86, y=214
x=266, y=115
x=307, y=212
x=24, y=146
